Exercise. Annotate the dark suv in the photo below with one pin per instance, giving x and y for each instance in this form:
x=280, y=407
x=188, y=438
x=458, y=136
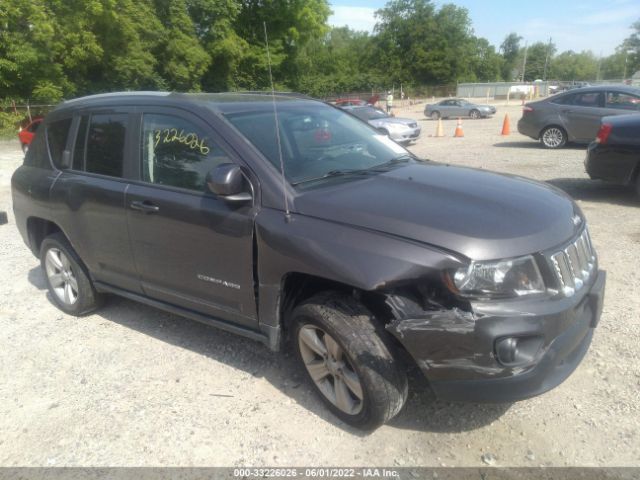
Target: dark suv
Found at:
x=294, y=223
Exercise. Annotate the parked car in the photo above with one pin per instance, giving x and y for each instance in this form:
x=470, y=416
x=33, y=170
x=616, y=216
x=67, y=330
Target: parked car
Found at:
x=25, y=134
x=349, y=102
x=328, y=238
x=402, y=130
x=575, y=116
x=614, y=156
x=456, y=107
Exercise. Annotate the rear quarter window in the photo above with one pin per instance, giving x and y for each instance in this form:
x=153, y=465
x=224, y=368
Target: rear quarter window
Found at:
x=57, y=133
x=37, y=155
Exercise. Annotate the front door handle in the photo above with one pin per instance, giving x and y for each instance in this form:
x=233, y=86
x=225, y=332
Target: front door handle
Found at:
x=144, y=206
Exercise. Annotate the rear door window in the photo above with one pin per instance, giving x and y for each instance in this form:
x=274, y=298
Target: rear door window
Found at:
x=105, y=144
x=177, y=152
x=589, y=99
x=57, y=133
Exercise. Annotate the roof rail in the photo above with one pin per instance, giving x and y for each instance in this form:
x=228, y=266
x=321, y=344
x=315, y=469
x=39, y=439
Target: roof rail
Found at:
x=267, y=93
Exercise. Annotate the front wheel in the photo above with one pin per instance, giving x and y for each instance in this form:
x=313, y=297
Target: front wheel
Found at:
x=349, y=360
x=69, y=285
x=553, y=137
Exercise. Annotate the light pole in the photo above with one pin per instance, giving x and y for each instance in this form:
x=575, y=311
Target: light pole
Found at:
x=626, y=55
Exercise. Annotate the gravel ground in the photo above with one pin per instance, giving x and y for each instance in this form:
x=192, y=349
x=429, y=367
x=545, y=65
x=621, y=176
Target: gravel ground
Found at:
x=133, y=386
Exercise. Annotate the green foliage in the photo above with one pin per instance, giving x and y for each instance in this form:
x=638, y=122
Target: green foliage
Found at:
x=55, y=49
x=575, y=66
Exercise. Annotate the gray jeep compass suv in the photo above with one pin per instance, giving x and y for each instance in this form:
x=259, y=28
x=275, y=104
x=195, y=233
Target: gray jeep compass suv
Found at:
x=295, y=224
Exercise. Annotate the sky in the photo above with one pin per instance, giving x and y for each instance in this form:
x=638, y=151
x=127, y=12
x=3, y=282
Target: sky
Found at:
x=596, y=25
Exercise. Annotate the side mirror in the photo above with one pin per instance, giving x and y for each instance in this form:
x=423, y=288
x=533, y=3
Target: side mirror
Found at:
x=226, y=180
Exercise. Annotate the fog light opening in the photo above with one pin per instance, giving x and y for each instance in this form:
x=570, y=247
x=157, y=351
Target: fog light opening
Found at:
x=517, y=351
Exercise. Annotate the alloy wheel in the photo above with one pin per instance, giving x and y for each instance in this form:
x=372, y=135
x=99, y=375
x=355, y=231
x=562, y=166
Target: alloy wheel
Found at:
x=61, y=277
x=553, y=137
x=330, y=369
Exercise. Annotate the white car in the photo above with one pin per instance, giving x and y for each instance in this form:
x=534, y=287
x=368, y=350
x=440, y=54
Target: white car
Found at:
x=402, y=130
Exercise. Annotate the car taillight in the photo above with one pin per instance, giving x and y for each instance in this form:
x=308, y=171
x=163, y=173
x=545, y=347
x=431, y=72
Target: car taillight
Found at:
x=527, y=109
x=603, y=133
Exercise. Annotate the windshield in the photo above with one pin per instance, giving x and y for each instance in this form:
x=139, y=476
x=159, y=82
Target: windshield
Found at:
x=369, y=113
x=318, y=141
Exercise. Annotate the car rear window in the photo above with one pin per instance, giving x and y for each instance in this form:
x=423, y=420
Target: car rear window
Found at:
x=105, y=144
x=57, y=133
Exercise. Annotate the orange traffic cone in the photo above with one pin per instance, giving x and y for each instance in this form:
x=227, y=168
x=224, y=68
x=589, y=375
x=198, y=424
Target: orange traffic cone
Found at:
x=439, y=129
x=506, y=126
x=459, y=132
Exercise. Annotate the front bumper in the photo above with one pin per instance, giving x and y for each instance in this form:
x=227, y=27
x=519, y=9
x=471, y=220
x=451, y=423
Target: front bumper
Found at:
x=406, y=135
x=457, y=350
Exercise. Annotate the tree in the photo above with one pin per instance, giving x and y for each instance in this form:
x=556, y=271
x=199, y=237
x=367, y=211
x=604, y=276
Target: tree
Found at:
x=575, y=66
x=510, y=49
x=537, y=55
x=418, y=43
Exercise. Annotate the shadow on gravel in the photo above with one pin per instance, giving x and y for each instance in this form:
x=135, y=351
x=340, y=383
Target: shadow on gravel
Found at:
x=534, y=144
x=36, y=278
x=422, y=411
x=597, y=191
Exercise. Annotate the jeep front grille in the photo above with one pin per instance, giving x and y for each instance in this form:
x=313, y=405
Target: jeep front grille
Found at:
x=574, y=264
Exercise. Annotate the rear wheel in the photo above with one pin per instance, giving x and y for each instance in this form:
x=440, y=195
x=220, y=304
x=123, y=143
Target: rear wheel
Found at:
x=553, y=137
x=435, y=115
x=349, y=360
x=69, y=285
x=475, y=114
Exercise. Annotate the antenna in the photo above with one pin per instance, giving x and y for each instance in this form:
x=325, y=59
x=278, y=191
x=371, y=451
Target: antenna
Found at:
x=287, y=214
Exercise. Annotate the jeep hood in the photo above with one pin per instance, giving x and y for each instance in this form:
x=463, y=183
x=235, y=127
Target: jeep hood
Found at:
x=478, y=214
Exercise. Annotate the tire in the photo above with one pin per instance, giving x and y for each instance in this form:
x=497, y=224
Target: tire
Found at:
x=435, y=115
x=359, y=365
x=25, y=148
x=475, y=114
x=67, y=280
x=553, y=137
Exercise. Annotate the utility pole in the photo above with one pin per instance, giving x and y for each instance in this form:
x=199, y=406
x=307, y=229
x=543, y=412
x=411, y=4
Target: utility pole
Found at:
x=546, y=60
x=524, y=62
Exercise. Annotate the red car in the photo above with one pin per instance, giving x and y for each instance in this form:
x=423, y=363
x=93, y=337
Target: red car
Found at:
x=27, y=133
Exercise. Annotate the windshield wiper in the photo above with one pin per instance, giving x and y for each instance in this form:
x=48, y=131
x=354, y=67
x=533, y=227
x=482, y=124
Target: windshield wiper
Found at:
x=404, y=158
x=334, y=173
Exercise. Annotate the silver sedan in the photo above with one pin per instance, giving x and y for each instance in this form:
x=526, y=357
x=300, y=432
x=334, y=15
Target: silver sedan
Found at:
x=402, y=130
x=456, y=107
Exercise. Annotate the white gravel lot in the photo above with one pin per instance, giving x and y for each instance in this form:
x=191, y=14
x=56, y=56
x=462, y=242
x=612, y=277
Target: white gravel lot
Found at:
x=133, y=386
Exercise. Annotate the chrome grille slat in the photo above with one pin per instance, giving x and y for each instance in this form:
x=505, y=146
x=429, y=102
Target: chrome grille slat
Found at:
x=574, y=264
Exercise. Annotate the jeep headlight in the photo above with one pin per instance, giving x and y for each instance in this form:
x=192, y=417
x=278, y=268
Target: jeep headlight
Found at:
x=515, y=277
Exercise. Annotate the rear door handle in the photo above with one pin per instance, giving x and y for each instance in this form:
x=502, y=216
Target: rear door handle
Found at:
x=144, y=206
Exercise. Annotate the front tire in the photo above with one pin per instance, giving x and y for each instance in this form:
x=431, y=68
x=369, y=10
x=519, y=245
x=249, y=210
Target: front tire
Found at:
x=69, y=284
x=553, y=137
x=349, y=359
